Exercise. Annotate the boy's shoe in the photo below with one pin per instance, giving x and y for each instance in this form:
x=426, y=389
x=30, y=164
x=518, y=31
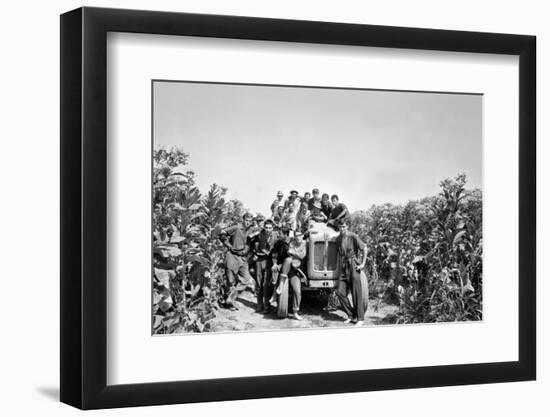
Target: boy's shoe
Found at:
x=296, y=316
x=359, y=323
x=348, y=320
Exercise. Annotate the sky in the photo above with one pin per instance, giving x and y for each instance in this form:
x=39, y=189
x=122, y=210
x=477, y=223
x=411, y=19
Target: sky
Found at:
x=367, y=146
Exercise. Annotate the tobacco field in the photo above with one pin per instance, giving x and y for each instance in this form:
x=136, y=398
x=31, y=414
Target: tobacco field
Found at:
x=425, y=256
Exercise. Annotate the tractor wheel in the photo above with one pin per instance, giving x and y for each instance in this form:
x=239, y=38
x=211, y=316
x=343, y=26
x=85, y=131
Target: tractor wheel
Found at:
x=282, y=305
x=365, y=288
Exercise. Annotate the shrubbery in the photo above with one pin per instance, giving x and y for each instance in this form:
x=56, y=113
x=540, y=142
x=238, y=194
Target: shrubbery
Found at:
x=426, y=255
x=188, y=258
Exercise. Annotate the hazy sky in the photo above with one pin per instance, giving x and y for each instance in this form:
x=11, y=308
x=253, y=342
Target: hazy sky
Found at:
x=369, y=147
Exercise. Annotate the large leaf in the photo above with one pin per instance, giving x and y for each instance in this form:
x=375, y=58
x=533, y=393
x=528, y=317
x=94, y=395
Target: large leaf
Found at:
x=417, y=259
x=199, y=215
x=200, y=259
x=169, y=322
x=165, y=305
x=163, y=276
x=458, y=236
x=468, y=288
x=167, y=250
x=194, y=229
x=157, y=298
x=157, y=321
x=176, y=206
x=179, y=170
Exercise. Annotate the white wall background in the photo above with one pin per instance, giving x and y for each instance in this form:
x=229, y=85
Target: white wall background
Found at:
x=29, y=170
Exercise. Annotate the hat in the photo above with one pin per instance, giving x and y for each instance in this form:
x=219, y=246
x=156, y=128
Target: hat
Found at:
x=294, y=191
x=280, y=193
x=315, y=191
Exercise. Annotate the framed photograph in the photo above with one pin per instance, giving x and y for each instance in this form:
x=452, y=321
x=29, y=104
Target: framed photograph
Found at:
x=259, y=208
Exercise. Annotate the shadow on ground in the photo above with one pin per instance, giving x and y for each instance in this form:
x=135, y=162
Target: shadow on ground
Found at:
x=49, y=392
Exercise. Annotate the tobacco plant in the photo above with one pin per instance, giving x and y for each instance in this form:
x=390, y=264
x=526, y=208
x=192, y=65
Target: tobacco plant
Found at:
x=426, y=255
x=188, y=275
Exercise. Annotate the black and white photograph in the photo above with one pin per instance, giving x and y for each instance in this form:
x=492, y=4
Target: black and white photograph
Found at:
x=357, y=188
x=291, y=207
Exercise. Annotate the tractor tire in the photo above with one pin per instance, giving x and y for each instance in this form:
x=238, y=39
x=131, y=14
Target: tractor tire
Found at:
x=365, y=288
x=282, y=304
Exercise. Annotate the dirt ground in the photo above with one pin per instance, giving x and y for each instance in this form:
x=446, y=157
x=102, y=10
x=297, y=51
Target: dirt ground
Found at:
x=246, y=318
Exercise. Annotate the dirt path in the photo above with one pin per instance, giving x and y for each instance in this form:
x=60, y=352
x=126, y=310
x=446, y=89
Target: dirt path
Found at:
x=246, y=318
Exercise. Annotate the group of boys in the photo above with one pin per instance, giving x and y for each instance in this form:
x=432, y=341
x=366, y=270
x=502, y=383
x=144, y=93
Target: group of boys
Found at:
x=272, y=254
x=277, y=245
x=296, y=212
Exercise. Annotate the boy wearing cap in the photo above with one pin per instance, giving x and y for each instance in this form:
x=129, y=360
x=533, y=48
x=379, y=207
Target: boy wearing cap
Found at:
x=353, y=256
x=277, y=202
x=293, y=200
x=263, y=246
x=235, y=239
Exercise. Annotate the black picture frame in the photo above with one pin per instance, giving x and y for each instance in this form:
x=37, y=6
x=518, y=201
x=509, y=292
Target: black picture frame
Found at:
x=84, y=207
